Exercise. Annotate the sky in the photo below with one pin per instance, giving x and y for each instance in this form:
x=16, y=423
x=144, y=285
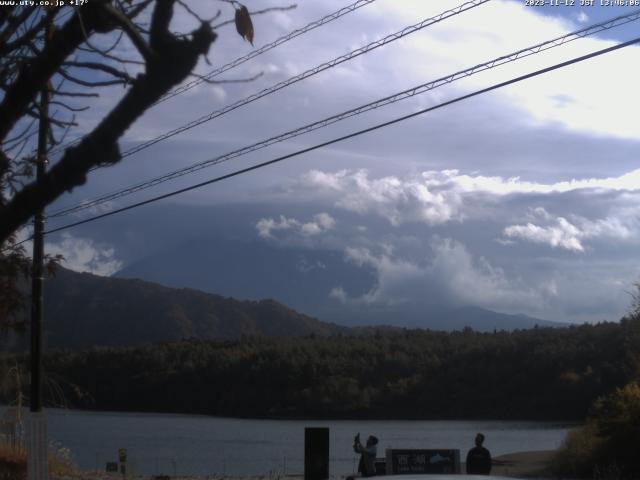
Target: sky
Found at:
x=521, y=200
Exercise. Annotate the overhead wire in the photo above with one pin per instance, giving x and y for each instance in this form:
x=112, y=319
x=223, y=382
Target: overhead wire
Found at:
x=307, y=74
x=353, y=134
x=422, y=88
x=285, y=38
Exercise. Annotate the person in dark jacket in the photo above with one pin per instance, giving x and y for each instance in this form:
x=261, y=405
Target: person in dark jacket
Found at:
x=479, y=458
x=367, y=464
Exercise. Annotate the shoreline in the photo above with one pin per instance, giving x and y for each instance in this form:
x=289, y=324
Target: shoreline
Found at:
x=528, y=464
x=531, y=464
x=563, y=422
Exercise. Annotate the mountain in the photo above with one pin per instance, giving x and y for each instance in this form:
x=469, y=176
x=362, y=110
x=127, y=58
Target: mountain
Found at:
x=304, y=279
x=297, y=277
x=83, y=309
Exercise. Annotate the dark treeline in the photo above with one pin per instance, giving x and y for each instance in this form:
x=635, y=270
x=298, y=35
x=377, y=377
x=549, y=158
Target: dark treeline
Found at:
x=542, y=373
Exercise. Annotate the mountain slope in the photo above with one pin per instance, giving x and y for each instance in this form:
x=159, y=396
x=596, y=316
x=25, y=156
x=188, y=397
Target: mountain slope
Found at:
x=298, y=277
x=84, y=309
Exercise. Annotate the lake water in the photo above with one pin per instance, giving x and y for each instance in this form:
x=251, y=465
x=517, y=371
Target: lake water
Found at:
x=200, y=445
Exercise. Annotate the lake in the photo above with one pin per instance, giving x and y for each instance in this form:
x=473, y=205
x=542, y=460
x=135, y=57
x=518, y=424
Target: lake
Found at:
x=201, y=445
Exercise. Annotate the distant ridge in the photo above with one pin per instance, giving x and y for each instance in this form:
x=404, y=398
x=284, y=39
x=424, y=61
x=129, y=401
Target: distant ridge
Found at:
x=304, y=279
x=84, y=310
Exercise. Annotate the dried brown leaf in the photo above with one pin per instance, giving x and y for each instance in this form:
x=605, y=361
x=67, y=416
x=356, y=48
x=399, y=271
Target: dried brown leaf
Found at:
x=244, y=25
x=51, y=30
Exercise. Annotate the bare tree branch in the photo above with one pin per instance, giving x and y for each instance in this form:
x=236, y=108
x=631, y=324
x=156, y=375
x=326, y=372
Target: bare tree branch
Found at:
x=112, y=57
x=130, y=29
x=29, y=36
x=90, y=83
x=68, y=107
x=102, y=67
x=34, y=76
x=76, y=94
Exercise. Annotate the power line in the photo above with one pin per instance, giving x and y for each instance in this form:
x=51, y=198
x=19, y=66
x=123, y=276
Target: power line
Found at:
x=352, y=135
x=309, y=73
x=240, y=60
x=614, y=22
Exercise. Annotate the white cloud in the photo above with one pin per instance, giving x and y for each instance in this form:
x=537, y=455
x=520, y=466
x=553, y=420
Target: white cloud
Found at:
x=338, y=293
x=267, y=225
x=217, y=93
x=582, y=17
x=325, y=180
x=322, y=222
x=498, y=185
x=474, y=37
x=607, y=227
x=439, y=197
x=85, y=255
x=450, y=271
x=397, y=278
x=477, y=282
x=95, y=210
x=561, y=233
x=579, y=215
x=398, y=200
x=305, y=266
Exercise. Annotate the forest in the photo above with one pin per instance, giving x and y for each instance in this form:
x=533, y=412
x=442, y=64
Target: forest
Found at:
x=540, y=373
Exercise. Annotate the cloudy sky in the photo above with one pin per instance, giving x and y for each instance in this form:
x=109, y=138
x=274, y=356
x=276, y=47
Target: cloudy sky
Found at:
x=521, y=200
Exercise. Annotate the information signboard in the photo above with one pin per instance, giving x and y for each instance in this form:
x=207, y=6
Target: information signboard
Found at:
x=413, y=461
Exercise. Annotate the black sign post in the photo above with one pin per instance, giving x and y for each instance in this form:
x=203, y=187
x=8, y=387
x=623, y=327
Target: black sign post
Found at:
x=316, y=453
x=122, y=456
x=413, y=461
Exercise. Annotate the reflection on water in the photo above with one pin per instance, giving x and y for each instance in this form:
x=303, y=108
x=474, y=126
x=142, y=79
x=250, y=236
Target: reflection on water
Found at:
x=199, y=445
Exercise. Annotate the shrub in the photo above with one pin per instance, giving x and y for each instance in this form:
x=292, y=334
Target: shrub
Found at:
x=576, y=458
x=607, y=446
x=617, y=419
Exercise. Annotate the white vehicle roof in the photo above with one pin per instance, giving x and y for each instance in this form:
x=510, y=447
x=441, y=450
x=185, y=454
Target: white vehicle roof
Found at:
x=438, y=476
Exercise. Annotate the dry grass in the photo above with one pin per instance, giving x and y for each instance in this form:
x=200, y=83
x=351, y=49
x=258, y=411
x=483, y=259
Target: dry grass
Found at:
x=13, y=462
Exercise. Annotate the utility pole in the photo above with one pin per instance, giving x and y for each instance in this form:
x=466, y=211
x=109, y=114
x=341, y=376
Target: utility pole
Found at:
x=37, y=467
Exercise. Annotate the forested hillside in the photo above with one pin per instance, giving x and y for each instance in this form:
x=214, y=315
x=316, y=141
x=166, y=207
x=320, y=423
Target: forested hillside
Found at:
x=543, y=373
x=83, y=310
